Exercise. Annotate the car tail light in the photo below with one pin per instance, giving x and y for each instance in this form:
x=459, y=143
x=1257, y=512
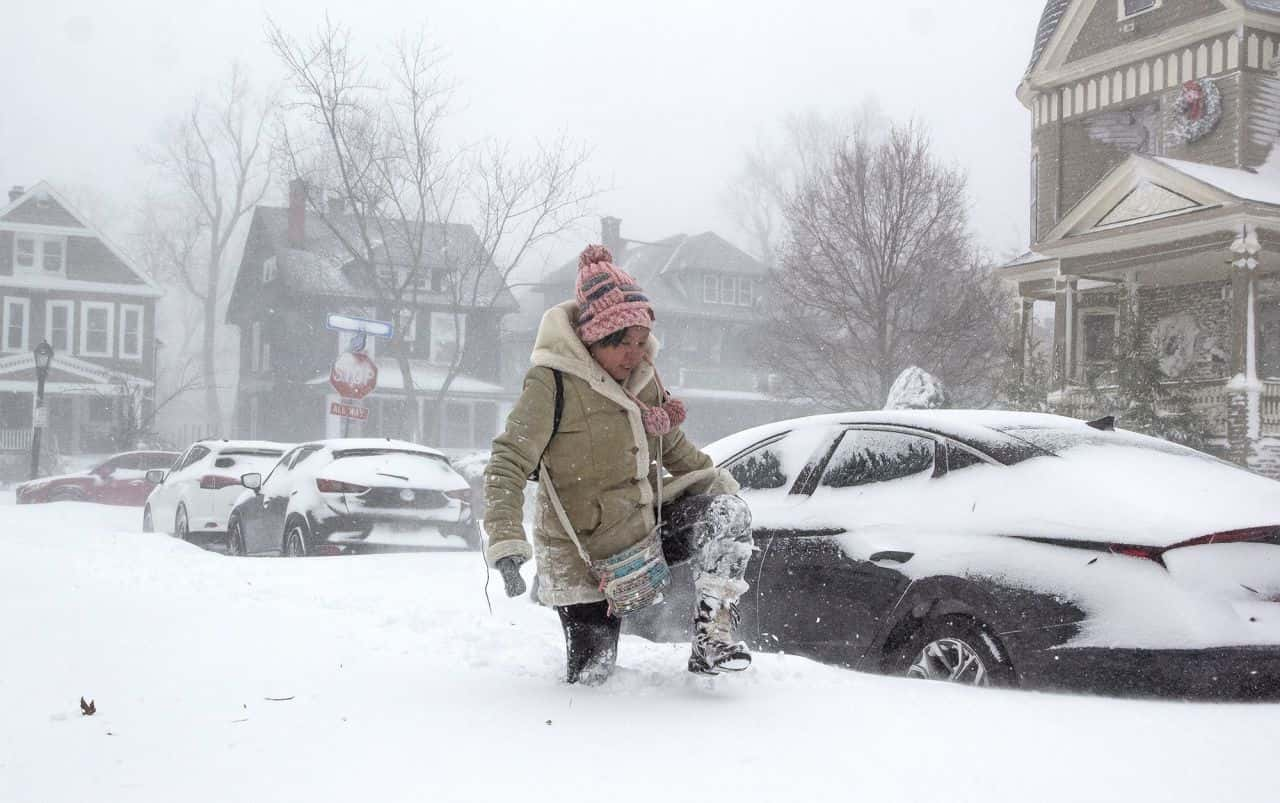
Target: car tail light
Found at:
x=1147, y=552
x=463, y=495
x=212, y=482
x=339, y=487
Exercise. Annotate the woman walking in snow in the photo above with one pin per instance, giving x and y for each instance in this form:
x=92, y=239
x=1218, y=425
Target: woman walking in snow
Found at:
x=598, y=428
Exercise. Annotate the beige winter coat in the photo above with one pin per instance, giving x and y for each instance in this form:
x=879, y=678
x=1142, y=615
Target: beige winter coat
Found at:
x=600, y=462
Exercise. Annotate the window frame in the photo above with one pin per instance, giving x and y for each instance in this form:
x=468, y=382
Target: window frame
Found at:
x=939, y=453
x=70, y=306
x=125, y=310
x=38, y=241
x=87, y=307
x=1121, y=16
x=447, y=318
x=269, y=266
x=9, y=303
x=710, y=281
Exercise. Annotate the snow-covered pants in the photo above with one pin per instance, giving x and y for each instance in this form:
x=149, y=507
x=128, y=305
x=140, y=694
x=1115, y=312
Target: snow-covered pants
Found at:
x=712, y=530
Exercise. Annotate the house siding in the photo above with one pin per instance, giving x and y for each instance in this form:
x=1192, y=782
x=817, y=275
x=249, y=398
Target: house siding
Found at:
x=1102, y=31
x=6, y=253
x=89, y=259
x=43, y=212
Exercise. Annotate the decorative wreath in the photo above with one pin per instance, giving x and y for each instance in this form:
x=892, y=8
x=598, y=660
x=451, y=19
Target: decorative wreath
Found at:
x=1197, y=110
x=1174, y=340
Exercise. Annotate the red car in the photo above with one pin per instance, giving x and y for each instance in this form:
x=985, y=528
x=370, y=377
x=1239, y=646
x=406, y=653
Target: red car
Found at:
x=120, y=480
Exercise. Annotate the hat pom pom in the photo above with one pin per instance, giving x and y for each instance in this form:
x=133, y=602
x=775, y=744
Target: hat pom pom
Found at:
x=593, y=254
x=675, y=410
x=656, y=421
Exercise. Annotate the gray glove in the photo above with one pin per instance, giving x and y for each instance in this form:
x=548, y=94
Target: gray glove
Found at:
x=510, y=568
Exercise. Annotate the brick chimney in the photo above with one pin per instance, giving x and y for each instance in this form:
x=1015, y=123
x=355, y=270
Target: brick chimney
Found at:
x=15, y=192
x=297, y=213
x=611, y=235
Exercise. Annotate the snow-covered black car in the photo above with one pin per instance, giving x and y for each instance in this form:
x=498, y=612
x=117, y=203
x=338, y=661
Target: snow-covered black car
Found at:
x=1009, y=549
x=353, y=495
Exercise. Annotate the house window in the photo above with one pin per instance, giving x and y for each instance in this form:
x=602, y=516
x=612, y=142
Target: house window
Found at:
x=130, y=332
x=437, y=280
x=1132, y=8
x=746, y=292
x=95, y=328
x=39, y=254
x=448, y=336
x=1097, y=343
x=17, y=314
x=58, y=325
x=711, y=288
x=269, y=270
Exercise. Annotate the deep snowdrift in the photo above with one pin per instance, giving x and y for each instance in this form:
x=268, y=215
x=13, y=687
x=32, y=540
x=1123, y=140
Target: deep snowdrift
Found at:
x=386, y=678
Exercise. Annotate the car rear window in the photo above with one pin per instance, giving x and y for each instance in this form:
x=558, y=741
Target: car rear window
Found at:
x=1060, y=440
x=376, y=452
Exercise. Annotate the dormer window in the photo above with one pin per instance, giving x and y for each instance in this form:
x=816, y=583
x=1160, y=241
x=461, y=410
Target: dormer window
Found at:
x=735, y=290
x=39, y=255
x=1132, y=8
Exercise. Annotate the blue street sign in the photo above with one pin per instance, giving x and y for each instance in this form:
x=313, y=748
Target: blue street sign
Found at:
x=347, y=323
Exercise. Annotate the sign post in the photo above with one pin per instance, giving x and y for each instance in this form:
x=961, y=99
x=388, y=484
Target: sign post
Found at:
x=354, y=374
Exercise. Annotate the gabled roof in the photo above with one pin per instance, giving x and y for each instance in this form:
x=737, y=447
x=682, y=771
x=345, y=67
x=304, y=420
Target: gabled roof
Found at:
x=1055, y=11
x=1143, y=191
x=669, y=272
x=26, y=211
x=325, y=266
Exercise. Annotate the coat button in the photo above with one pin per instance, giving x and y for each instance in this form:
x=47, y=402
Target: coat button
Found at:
x=635, y=450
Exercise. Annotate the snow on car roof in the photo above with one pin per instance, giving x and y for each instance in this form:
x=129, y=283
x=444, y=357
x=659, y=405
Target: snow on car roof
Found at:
x=967, y=425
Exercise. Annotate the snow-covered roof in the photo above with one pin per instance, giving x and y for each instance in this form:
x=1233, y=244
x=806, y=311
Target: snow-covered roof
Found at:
x=1243, y=184
x=1026, y=258
x=1049, y=19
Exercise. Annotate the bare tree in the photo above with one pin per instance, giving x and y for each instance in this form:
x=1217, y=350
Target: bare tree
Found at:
x=216, y=169
x=430, y=226
x=878, y=272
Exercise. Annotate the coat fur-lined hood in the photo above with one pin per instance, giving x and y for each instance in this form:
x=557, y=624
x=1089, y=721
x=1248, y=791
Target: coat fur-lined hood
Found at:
x=558, y=346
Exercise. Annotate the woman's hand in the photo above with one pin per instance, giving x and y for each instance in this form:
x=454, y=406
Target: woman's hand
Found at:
x=510, y=569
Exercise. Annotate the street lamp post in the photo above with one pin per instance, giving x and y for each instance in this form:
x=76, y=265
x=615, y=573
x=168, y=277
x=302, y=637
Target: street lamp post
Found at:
x=43, y=355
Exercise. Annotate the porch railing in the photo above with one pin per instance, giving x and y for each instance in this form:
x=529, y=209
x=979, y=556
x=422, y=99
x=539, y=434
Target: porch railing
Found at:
x=1209, y=398
x=15, y=440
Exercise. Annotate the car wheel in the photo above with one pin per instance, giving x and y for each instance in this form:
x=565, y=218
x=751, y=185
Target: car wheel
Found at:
x=181, y=527
x=295, y=540
x=148, y=526
x=957, y=649
x=235, y=538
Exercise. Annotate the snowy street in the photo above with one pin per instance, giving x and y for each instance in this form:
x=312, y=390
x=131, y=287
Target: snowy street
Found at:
x=386, y=678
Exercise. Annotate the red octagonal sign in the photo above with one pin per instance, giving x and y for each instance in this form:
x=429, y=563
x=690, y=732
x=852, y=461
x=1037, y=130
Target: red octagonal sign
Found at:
x=353, y=375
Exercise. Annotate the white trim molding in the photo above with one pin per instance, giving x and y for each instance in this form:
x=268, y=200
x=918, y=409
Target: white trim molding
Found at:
x=86, y=307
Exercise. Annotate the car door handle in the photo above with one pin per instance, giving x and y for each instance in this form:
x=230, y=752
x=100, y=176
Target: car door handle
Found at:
x=893, y=556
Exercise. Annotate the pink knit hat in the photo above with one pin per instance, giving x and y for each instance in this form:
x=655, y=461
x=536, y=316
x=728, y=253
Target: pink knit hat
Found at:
x=608, y=298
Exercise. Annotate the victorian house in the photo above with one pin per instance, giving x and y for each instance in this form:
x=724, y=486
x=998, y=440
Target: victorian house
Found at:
x=64, y=283
x=708, y=295
x=299, y=267
x=1155, y=203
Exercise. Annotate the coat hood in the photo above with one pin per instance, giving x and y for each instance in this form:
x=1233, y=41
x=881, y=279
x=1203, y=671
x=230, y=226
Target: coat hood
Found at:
x=558, y=346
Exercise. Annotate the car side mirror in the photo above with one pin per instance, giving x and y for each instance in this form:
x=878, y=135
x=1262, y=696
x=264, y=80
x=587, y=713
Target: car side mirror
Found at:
x=155, y=476
x=252, y=481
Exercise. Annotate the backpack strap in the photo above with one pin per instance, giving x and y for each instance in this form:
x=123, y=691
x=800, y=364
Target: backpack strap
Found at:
x=555, y=420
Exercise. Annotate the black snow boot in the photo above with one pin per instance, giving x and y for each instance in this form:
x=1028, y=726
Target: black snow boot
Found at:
x=715, y=647
x=591, y=642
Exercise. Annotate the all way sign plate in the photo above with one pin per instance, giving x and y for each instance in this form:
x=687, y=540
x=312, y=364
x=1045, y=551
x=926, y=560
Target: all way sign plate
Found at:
x=349, y=411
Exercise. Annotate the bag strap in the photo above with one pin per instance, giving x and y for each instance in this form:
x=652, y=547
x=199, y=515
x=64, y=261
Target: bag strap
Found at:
x=555, y=420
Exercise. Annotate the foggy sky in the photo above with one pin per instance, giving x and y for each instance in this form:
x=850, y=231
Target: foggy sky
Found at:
x=667, y=94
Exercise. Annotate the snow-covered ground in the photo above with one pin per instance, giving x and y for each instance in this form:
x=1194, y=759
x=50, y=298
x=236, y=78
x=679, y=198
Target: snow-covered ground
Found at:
x=386, y=678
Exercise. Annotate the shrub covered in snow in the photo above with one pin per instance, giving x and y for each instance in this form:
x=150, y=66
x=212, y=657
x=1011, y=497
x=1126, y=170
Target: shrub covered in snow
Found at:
x=916, y=389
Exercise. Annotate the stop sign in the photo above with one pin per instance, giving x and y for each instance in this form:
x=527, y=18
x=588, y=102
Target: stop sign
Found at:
x=353, y=375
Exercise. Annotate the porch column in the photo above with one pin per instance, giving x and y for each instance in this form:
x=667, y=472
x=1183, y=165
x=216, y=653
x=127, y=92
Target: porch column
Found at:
x=1130, y=311
x=1063, y=331
x=1024, y=312
x=1244, y=391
